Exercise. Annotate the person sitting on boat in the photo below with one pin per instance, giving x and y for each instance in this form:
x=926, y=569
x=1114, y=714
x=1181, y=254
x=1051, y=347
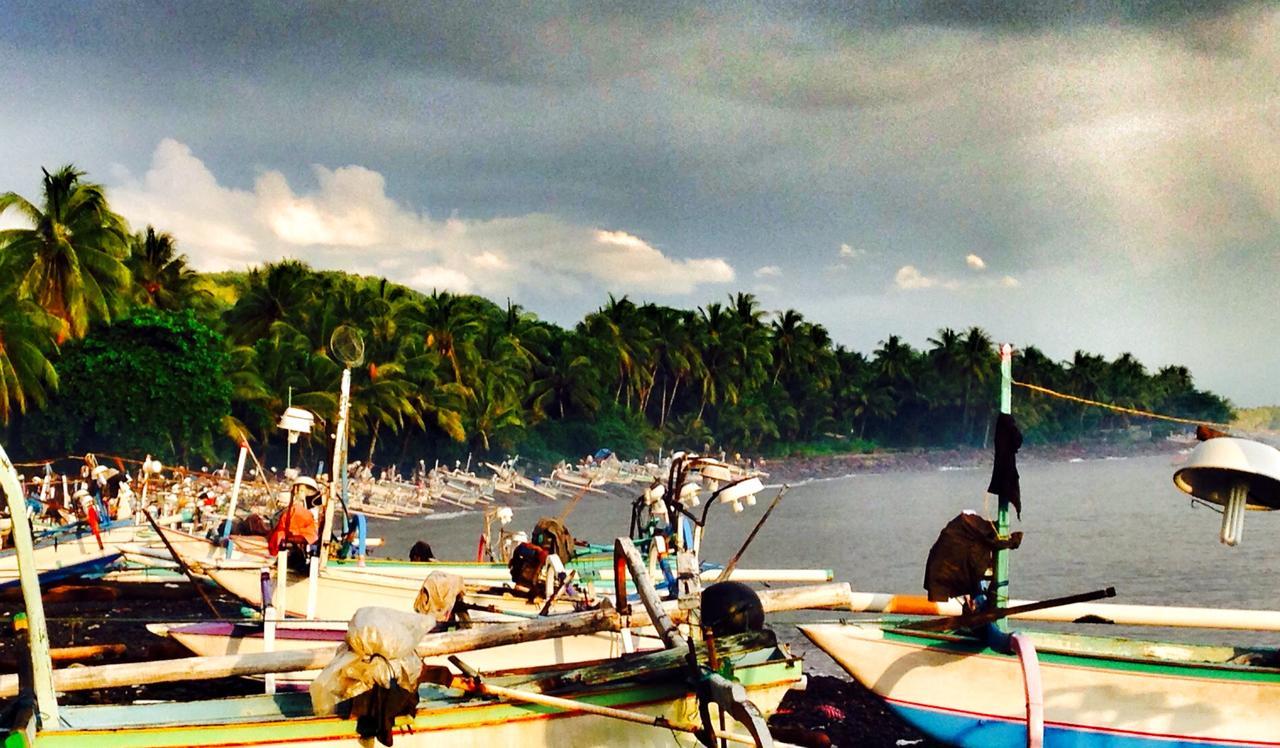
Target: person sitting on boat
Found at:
x=960, y=561
x=34, y=505
x=296, y=531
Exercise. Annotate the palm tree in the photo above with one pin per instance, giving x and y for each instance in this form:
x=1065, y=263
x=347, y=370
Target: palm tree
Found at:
x=71, y=259
x=161, y=275
x=788, y=332
x=26, y=374
x=755, y=340
x=278, y=292
x=620, y=328
x=1086, y=375
x=567, y=382
x=446, y=323
x=977, y=362
x=722, y=356
x=492, y=409
x=894, y=360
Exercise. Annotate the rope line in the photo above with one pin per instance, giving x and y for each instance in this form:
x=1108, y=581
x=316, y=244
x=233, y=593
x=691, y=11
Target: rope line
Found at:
x=1121, y=408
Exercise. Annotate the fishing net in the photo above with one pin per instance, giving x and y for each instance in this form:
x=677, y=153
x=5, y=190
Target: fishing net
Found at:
x=347, y=345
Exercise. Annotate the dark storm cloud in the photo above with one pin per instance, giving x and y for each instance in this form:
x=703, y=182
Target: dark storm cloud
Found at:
x=1110, y=163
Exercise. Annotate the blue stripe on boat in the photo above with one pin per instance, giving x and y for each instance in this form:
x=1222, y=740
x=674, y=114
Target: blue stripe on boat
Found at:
x=981, y=731
x=66, y=572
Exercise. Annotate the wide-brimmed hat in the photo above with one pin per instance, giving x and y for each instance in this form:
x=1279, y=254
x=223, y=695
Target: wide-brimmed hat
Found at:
x=307, y=481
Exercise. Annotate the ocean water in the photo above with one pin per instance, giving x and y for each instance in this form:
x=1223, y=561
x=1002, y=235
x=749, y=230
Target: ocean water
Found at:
x=1088, y=524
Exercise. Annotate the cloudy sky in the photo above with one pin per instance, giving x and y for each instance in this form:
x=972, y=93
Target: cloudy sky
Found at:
x=1096, y=175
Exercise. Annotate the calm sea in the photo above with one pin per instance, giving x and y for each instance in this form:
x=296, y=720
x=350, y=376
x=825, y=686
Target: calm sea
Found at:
x=1087, y=525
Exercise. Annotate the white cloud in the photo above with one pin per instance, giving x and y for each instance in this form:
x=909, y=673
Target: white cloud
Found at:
x=848, y=252
x=349, y=222
x=975, y=262
x=910, y=278
x=441, y=278
x=768, y=271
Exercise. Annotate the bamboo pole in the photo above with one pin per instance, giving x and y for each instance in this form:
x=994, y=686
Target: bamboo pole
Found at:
x=182, y=564
x=227, y=666
x=726, y=574
x=1120, y=614
x=473, y=683
x=235, y=497
x=38, y=630
x=1001, y=581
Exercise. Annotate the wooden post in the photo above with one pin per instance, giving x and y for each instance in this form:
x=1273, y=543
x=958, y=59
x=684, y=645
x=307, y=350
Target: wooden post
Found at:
x=235, y=497
x=279, y=595
x=648, y=594
x=38, y=631
x=339, y=482
x=268, y=625
x=1002, y=513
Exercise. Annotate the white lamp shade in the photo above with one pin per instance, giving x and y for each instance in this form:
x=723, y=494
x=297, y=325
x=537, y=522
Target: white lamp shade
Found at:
x=297, y=420
x=717, y=471
x=741, y=490
x=689, y=494
x=1216, y=465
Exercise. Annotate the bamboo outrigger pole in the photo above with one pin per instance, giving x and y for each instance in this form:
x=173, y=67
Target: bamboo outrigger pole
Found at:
x=38, y=630
x=1002, y=512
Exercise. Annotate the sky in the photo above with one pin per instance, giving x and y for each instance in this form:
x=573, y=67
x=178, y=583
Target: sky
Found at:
x=1081, y=175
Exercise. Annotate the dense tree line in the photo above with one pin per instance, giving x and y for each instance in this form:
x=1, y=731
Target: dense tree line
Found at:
x=444, y=374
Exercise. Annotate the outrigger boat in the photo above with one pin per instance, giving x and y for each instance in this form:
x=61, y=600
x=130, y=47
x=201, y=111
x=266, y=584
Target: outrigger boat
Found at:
x=1028, y=689
x=71, y=551
x=646, y=699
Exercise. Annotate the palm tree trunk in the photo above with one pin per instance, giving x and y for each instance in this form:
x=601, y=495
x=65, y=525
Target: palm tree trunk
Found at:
x=373, y=442
x=644, y=397
x=671, y=403
x=964, y=414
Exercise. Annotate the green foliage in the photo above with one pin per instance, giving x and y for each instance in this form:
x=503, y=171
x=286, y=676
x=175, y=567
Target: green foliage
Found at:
x=446, y=375
x=155, y=382
x=1258, y=419
x=824, y=447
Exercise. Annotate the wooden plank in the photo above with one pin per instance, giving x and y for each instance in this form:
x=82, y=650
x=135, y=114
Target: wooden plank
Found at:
x=227, y=666
x=648, y=594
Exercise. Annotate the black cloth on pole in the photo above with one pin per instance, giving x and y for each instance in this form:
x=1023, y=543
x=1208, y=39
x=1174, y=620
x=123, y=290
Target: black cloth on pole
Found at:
x=1004, y=470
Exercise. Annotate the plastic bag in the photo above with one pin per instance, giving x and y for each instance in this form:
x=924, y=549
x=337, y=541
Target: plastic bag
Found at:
x=379, y=649
x=439, y=593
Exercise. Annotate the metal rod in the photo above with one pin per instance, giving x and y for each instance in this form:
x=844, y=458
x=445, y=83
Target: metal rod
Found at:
x=733, y=562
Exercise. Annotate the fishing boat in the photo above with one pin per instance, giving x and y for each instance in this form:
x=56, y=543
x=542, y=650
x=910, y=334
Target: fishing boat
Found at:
x=71, y=551
x=653, y=685
x=217, y=638
x=978, y=686
x=655, y=698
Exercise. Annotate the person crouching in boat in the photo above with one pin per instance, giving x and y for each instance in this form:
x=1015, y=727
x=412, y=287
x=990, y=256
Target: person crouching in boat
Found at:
x=295, y=532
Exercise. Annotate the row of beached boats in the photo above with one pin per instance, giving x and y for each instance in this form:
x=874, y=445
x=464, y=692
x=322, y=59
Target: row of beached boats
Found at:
x=555, y=666
x=598, y=657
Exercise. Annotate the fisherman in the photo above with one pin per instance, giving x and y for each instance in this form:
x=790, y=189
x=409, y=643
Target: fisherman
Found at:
x=34, y=505
x=296, y=532
x=108, y=482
